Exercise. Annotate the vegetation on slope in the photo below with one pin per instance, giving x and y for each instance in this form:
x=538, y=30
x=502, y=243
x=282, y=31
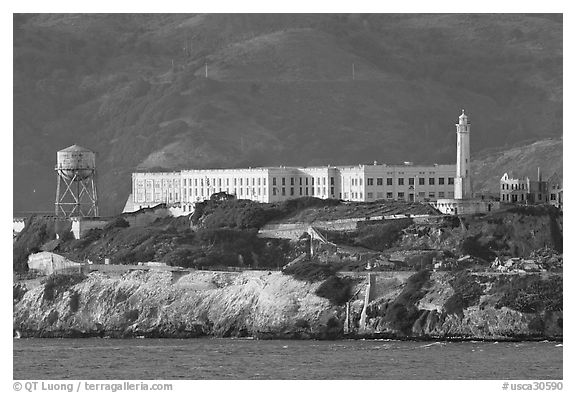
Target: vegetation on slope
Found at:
x=373, y=235
x=36, y=232
x=530, y=294
x=226, y=234
x=513, y=232
x=467, y=292
x=246, y=214
x=56, y=284
x=214, y=247
x=401, y=313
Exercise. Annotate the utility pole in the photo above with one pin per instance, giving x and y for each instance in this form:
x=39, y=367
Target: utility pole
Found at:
x=206, y=71
x=353, y=72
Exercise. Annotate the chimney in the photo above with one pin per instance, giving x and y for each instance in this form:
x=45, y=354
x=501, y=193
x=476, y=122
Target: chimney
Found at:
x=539, y=175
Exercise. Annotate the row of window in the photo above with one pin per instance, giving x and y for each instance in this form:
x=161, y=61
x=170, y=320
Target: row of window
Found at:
x=302, y=191
x=248, y=191
x=411, y=181
x=158, y=183
x=421, y=195
x=218, y=182
x=203, y=192
x=514, y=186
x=303, y=181
x=513, y=198
x=399, y=195
x=156, y=197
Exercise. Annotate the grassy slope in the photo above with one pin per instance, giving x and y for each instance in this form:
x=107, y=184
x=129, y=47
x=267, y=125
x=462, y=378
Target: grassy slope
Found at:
x=279, y=93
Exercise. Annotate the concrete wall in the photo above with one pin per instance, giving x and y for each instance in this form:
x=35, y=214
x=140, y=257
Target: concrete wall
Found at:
x=283, y=231
x=466, y=206
x=82, y=225
x=295, y=230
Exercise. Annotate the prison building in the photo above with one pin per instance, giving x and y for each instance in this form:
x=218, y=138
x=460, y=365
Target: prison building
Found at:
x=272, y=184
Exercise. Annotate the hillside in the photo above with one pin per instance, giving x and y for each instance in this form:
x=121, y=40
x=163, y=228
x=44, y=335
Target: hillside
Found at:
x=279, y=90
x=519, y=161
x=222, y=234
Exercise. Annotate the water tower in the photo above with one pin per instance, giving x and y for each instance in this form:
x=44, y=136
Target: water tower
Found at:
x=75, y=189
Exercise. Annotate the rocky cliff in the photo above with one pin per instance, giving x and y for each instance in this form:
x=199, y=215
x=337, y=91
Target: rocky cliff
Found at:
x=423, y=305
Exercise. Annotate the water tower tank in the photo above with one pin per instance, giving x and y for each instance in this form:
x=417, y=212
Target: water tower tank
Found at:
x=76, y=160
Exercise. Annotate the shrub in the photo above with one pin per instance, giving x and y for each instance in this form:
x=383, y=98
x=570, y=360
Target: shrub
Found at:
x=530, y=294
x=292, y=206
x=89, y=237
x=52, y=318
x=222, y=196
x=381, y=236
x=131, y=315
x=537, y=324
x=59, y=283
x=242, y=213
x=118, y=222
x=536, y=210
x=412, y=292
x=66, y=236
x=74, y=301
x=302, y=324
x=467, y=292
x=472, y=246
x=233, y=214
x=402, y=312
x=311, y=271
x=18, y=292
x=183, y=257
x=336, y=289
x=36, y=232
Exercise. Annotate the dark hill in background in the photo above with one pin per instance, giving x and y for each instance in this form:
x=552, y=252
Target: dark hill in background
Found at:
x=279, y=92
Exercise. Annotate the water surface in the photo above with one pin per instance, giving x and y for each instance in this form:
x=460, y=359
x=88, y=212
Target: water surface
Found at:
x=209, y=358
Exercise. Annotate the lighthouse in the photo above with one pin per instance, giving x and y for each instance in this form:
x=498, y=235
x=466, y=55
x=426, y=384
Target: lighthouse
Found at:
x=462, y=182
x=463, y=201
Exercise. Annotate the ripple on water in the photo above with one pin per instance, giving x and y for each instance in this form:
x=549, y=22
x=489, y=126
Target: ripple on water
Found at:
x=239, y=359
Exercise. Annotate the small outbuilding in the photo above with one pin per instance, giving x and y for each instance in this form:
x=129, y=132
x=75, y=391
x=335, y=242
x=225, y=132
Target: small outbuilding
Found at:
x=49, y=262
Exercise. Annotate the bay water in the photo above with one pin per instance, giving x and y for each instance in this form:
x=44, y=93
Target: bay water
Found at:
x=216, y=358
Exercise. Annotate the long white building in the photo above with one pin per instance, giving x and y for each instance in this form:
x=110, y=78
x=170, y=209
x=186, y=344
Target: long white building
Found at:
x=182, y=189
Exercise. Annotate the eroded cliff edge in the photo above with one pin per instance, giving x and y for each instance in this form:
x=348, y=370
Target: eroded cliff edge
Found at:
x=262, y=304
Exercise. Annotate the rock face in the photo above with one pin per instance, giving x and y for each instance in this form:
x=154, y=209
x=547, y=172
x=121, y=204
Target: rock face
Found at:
x=444, y=305
x=264, y=304
x=158, y=304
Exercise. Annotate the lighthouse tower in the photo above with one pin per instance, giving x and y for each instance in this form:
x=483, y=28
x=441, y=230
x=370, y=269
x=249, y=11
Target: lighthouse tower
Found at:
x=462, y=183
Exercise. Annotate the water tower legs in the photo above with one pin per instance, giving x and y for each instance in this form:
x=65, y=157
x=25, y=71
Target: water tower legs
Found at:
x=79, y=197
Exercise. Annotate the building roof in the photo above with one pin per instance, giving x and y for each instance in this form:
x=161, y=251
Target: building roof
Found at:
x=75, y=148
